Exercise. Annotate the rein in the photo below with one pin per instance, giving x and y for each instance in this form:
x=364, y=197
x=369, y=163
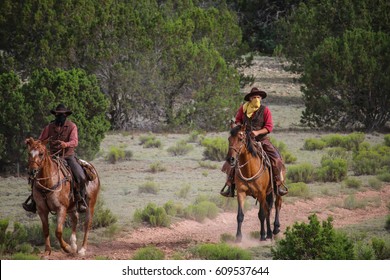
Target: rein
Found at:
x=239, y=167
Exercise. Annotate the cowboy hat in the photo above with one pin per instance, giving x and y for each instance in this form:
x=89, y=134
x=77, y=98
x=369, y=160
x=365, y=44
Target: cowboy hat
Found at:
x=61, y=109
x=255, y=91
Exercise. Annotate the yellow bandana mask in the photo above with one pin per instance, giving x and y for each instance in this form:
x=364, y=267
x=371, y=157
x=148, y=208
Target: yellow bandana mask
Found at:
x=251, y=106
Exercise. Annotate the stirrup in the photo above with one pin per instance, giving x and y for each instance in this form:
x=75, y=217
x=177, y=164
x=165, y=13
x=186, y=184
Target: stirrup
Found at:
x=30, y=207
x=282, y=189
x=229, y=192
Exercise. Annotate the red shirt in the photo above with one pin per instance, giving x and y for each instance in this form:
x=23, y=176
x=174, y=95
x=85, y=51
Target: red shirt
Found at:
x=269, y=125
x=73, y=136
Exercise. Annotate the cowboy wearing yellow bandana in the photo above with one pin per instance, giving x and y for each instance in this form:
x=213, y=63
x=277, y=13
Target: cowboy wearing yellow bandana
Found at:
x=258, y=120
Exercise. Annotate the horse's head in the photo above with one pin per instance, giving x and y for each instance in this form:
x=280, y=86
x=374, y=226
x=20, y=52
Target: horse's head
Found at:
x=236, y=141
x=36, y=155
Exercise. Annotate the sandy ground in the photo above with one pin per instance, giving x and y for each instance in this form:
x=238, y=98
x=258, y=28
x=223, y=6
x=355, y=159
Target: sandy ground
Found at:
x=185, y=234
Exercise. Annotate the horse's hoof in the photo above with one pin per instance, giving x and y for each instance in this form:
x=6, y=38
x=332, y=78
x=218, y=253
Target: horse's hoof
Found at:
x=276, y=231
x=82, y=252
x=263, y=238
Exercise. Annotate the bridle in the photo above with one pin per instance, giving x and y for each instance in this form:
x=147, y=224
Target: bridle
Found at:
x=235, y=161
x=37, y=181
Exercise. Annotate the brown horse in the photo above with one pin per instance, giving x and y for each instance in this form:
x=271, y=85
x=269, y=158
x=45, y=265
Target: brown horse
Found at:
x=252, y=177
x=51, y=185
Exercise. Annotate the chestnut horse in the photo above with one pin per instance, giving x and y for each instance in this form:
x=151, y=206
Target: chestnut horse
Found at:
x=51, y=187
x=252, y=177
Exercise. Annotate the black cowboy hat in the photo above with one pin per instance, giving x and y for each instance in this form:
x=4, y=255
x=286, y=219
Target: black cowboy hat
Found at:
x=61, y=109
x=255, y=91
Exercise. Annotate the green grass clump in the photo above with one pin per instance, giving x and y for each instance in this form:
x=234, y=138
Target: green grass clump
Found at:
x=149, y=187
x=299, y=190
x=180, y=148
x=173, y=209
x=351, y=203
x=287, y=156
x=103, y=217
x=227, y=237
x=374, y=183
x=25, y=257
x=215, y=148
x=184, y=191
x=115, y=154
x=153, y=215
x=352, y=183
x=150, y=141
x=349, y=142
x=387, y=140
x=303, y=172
x=207, y=164
x=157, y=167
x=313, y=144
x=220, y=251
x=149, y=253
x=384, y=177
x=200, y=211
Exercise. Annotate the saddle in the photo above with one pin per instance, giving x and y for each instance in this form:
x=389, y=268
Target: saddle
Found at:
x=88, y=169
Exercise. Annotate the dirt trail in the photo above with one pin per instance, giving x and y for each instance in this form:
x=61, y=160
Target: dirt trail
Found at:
x=186, y=233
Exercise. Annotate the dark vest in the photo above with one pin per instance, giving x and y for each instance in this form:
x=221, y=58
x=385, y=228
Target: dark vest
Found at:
x=256, y=122
x=62, y=134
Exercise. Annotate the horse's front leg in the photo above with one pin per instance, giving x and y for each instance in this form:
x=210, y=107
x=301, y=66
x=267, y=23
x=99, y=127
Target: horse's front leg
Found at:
x=87, y=225
x=278, y=206
x=74, y=216
x=240, y=215
x=45, y=229
x=261, y=216
x=61, y=215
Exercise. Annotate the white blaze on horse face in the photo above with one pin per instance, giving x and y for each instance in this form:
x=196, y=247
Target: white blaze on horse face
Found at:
x=34, y=153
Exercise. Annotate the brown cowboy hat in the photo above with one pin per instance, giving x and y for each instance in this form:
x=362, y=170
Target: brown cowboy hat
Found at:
x=255, y=91
x=61, y=109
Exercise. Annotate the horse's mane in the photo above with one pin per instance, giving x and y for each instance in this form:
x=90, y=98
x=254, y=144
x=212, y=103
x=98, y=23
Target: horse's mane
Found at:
x=249, y=144
x=234, y=131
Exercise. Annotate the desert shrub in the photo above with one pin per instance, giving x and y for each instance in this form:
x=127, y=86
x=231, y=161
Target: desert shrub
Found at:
x=25, y=257
x=351, y=203
x=312, y=144
x=207, y=164
x=103, y=217
x=374, y=183
x=336, y=152
x=333, y=170
x=387, y=140
x=334, y=140
x=150, y=141
x=227, y=237
x=367, y=162
x=173, y=209
x=146, y=138
x=153, y=215
x=387, y=223
x=301, y=173
x=194, y=136
x=12, y=241
x=363, y=251
x=149, y=253
x=184, y=191
x=149, y=187
x=353, y=183
x=157, y=167
x=381, y=248
x=201, y=210
x=215, y=148
x=384, y=177
x=299, y=190
x=313, y=241
x=115, y=154
x=220, y=251
x=287, y=156
x=180, y=148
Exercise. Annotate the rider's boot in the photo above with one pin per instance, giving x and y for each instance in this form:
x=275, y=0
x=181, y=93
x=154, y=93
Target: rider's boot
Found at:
x=30, y=207
x=81, y=203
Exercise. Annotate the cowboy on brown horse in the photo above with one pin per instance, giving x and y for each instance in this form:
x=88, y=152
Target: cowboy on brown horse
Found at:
x=258, y=121
x=63, y=137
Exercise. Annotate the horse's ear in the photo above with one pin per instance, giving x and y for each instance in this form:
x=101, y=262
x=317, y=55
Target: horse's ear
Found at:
x=29, y=141
x=44, y=142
